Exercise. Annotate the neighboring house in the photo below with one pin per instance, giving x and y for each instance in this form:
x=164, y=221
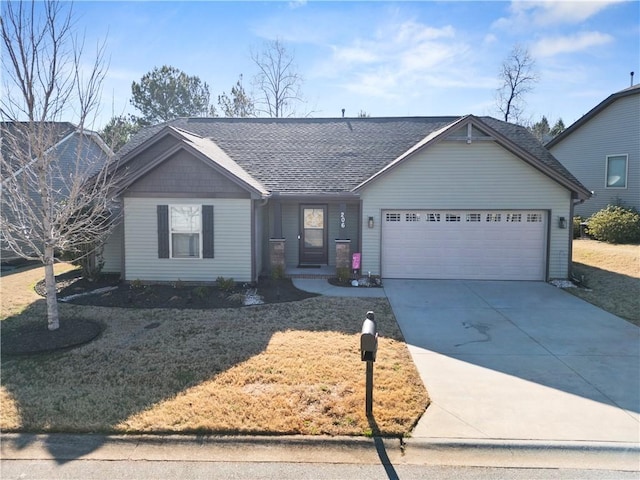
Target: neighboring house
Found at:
x=425, y=197
x=65, y=143
x=602, y=149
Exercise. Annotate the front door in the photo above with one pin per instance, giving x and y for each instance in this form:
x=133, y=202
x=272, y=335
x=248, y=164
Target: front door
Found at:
x=313, y=238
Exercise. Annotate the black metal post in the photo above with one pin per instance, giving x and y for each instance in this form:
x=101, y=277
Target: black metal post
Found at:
x=369, y=390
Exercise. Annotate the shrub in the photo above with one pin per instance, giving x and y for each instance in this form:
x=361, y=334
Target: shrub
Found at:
x=615, y=224
x=89, y=258
x=577, y=220
x=201, y=292
x=227, y=285
x=343, y=274
x=278, y=272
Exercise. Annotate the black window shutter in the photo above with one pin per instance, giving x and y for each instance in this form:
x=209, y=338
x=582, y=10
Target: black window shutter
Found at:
x=163, y=231
x=207, y=231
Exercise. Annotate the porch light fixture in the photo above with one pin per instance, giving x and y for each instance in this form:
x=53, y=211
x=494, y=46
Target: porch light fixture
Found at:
x=562, y=222
x=370, y=222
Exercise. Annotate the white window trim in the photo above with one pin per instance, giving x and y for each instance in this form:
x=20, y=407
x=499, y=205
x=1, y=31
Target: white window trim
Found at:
x=626, y=171
x=171, y=232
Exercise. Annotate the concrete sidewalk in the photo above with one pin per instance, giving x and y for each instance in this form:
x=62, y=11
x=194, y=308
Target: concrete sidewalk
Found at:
x=323, y=287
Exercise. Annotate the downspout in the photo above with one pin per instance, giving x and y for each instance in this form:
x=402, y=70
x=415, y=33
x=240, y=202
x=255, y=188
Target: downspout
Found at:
x=570, y=220
x=258, y=243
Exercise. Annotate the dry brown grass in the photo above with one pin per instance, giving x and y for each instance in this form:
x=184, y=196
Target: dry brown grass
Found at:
x=16, y=288
x=291, y=368
x=611, y=274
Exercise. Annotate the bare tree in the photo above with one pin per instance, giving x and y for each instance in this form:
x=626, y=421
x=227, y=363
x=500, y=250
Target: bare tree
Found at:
x=55, y=195
x=518, y=75
x=278, y=82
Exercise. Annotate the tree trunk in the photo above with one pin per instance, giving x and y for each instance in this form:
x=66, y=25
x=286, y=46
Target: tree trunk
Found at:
x=53, y=319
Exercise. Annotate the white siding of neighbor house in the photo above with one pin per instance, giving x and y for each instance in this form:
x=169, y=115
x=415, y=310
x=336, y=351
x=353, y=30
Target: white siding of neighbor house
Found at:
x=613, y=131
x=232, y=242
x=454, y=175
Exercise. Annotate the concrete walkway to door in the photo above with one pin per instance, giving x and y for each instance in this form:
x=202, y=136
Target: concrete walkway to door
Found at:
x=519, y=361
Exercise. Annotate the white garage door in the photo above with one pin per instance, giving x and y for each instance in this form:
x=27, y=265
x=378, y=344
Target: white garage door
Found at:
x=460, y=244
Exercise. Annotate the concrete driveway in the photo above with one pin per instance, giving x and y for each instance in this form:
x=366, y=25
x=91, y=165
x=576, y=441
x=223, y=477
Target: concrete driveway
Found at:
x=519, y=361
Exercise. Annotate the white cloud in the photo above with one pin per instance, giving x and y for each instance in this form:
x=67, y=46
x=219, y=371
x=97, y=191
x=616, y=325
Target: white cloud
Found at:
x=489, y=39
x=551, y=46
x=544, y=13
x=355, y=54
x=400, y=58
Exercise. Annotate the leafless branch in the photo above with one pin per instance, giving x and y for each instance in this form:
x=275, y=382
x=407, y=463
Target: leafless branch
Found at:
x=277, y=80
x=56, y=191
x=518, y=76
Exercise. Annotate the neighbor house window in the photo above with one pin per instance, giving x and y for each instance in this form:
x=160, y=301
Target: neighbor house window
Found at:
x=616, y=171
x=185, y=230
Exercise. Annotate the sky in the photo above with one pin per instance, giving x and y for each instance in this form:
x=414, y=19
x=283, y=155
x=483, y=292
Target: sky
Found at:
x=414, y=58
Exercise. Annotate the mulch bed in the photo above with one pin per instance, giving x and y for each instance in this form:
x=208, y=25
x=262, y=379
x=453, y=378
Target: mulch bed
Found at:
x=177, y=295
x=32, y=339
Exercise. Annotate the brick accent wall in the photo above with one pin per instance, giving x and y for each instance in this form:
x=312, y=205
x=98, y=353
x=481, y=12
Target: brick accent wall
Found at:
x=276, y=254
x=343, y=254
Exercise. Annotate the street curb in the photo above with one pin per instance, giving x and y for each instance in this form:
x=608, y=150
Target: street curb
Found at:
x=528, y=453
x=321, y=449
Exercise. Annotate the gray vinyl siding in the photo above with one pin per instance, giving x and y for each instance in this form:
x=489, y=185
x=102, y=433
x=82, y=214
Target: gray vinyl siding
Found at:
x=232, y=242
x=349, y=232
x=453, y=175
x=290, y=232
x=112, y=252
x=291, y=229
x=613, y=131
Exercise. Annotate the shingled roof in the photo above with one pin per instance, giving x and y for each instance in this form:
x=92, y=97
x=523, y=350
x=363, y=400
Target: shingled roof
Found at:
x=329, y=155
x=15, y=142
